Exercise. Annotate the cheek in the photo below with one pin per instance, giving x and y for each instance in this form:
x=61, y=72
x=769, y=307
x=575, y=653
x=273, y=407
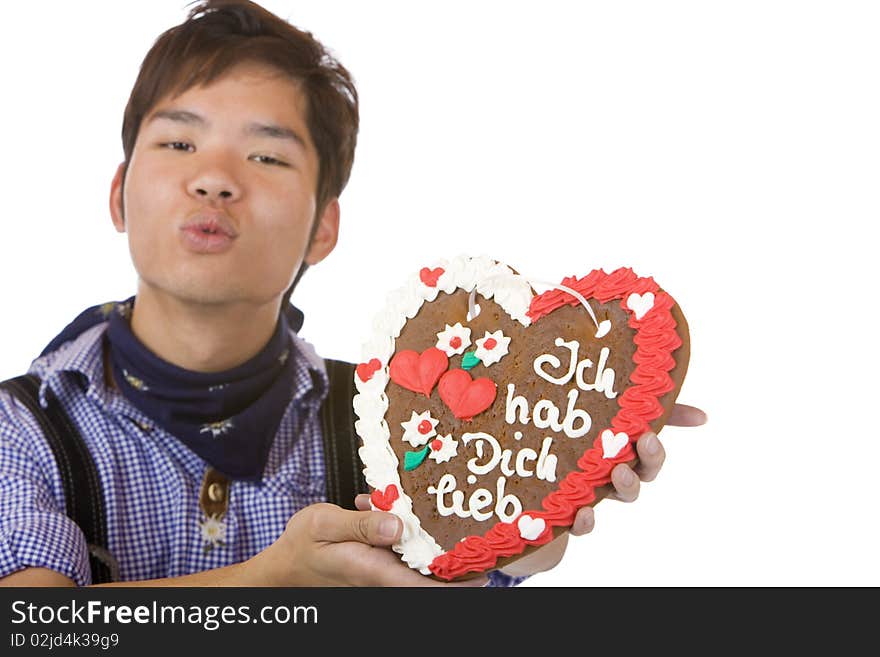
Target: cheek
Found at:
x=283, y=221
x=148, y=207
x=147, y=192
x=278, y=240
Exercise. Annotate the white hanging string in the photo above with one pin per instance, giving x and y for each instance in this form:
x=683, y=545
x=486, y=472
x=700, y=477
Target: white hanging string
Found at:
x=602, y=328
x=473, y=308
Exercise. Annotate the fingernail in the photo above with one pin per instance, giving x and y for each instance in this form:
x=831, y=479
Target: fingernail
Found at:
x=652, y=445
x=587, y=524
x=388, y=527
x=626, y=477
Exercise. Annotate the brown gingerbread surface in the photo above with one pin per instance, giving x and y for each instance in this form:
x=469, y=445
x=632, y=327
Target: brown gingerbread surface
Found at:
x=516, y=448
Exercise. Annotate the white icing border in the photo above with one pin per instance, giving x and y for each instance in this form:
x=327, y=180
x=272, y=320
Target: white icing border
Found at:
x=491, y=279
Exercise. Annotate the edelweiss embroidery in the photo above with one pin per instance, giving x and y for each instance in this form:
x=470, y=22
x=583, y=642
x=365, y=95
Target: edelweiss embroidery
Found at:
x=124, y=309
x=217, y=428
x=134, y=382
x=106, y=308
x=213, y=531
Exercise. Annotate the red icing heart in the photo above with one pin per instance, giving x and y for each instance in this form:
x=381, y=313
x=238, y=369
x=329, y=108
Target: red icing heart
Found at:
x=431, y=276
x=384, y=500
x=365, y=371
x=464, y=396
x=418, y=372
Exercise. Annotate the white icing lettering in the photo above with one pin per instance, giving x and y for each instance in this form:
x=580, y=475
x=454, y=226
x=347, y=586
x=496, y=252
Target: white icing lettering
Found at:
x=505, y=462
x=547, y=415
x=604, y=377
x=573, y=346
x=572, y=414
x=521, y=457
x=493, y=460
x=604, y=381
x=546, y=462
x=447, y=485
x=507, y=505
x=513, y=403
x=506, y=500
x=480, y=499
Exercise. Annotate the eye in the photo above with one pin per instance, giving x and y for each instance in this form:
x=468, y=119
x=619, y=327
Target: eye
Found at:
x=178, y=146
x=268, y=159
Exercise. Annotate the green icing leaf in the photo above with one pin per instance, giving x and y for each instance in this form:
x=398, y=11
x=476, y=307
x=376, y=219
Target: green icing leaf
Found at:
x=412, y=460
x=469, y=360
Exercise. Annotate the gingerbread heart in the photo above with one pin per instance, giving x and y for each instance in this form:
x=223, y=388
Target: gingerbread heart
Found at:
x=496, y=413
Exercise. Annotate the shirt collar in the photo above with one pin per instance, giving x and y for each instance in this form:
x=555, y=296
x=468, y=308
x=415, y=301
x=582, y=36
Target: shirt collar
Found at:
x=83, y=356
x=311, y=382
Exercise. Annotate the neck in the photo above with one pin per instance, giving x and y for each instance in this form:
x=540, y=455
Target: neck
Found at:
x=202, y=337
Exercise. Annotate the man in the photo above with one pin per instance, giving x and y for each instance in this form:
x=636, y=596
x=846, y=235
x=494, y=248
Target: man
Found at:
x=197, y=393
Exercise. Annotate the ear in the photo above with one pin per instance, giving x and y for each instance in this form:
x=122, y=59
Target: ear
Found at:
x=326, y=233
x=116, y=205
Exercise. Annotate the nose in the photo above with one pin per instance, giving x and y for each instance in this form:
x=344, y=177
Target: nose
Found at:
x=214, y=182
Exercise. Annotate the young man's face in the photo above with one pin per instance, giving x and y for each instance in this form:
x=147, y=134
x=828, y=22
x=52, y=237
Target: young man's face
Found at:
x=220, y=192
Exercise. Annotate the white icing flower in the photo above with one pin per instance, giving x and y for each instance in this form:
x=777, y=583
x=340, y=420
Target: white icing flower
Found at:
x=443, y=448
x=492, y=347
x=419, y=428
x=213, y=531
x=454, y=339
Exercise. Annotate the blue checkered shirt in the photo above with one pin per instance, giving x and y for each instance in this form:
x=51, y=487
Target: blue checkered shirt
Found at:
x=151, y=481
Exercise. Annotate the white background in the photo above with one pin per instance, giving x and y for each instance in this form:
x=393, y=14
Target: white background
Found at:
x=730, y=150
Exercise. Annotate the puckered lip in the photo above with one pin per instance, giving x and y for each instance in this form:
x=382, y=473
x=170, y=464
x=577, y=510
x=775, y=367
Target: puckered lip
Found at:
x=210, y=222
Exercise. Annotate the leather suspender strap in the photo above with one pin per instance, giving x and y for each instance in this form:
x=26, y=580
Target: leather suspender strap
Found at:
x=343, y=467
x=83, y=499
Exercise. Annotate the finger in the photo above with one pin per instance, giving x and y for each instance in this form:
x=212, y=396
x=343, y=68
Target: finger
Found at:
x=362, y=502
x=399, y=574
x=335, y=525
x=651, y=456
x=626, y=484
x=683, y=415
x=354, y=563
x=584, y=521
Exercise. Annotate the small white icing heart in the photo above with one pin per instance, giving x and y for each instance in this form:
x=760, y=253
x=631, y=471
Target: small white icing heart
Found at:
x=604, y=327
x=640, y=303
x=530, y=528
x=612, y=443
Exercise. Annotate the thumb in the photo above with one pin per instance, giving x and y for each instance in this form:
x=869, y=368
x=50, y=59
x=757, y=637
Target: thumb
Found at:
x=370, y=527
x=376, y=527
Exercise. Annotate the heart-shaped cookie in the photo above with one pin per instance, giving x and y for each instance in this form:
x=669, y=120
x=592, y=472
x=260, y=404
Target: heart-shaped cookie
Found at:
x=489, y=414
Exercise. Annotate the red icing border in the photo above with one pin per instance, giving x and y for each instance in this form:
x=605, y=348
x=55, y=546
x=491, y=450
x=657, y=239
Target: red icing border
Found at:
x=655, y=339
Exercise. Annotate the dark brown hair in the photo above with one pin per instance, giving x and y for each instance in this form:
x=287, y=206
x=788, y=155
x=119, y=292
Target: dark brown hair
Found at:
x=219, y=34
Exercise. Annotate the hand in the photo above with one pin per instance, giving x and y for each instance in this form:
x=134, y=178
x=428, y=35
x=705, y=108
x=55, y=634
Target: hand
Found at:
x=325, y=545
x=626, y=482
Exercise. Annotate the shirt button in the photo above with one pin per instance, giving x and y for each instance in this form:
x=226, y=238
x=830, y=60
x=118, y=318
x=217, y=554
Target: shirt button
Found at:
x=215, y=492
x=144, y=426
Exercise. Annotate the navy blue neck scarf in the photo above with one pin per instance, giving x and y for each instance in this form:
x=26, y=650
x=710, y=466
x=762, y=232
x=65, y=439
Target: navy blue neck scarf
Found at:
x=228, y=418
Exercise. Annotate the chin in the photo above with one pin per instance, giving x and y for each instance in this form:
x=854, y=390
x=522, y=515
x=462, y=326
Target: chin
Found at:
x=218, y=295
